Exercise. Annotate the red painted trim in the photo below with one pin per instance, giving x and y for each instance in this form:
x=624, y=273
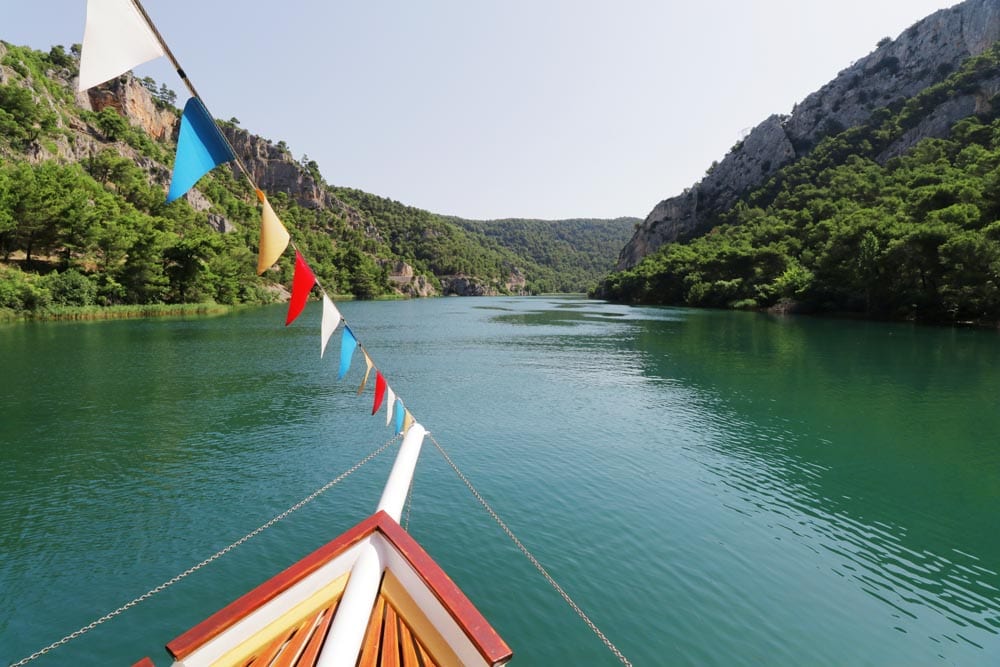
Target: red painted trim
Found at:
x=226, y=617
x=145, y=662
x=486, y=640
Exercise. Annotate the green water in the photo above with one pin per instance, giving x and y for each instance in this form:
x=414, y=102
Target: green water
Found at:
x=712, y=488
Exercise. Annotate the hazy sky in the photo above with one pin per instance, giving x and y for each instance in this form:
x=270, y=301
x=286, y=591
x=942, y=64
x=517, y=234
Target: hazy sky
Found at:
x=489, y=109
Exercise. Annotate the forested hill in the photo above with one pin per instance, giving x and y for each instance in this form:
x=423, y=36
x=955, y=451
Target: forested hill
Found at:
x=83, y=218
x=874, y=219
x=536, y=256
x=568, y=253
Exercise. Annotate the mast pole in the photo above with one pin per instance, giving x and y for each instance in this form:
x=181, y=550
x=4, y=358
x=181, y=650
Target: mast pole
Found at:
x=401, y=477
x=347, y=631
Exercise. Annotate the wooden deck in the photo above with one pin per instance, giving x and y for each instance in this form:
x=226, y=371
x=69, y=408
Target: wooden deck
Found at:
x=298, y=645
x=389, y=642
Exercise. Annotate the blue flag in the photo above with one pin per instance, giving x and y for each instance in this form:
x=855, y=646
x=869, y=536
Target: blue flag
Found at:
x=399, y=416
x=347, y=345
x=200, y=148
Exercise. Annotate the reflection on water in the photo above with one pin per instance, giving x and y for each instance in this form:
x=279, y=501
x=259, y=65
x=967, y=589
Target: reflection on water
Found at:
x=870, y=446
x=762, y=490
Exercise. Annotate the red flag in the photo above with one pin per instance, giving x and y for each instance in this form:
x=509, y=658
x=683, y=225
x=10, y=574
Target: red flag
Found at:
x=379, y=391
x=301, y=284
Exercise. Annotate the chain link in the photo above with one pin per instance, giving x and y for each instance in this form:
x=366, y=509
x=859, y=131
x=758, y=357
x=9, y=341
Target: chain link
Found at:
x=191, y=570
x=409, y=506
x=534, y=561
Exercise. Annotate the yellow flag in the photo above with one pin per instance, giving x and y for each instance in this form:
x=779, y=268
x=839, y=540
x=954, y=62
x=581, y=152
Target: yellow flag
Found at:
x=368, y=371
x=407, y=421
x=274, y=237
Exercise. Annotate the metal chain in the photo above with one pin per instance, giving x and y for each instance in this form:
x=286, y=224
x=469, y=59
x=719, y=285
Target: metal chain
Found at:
x=148, y=594
x=409, y=506
x=534, y=561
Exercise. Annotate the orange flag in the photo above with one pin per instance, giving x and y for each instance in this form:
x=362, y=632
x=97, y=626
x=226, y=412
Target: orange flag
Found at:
x=368, y=371
x=274, y=237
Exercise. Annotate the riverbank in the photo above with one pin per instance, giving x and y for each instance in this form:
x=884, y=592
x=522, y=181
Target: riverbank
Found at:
x=85, y=313
x=81, y=313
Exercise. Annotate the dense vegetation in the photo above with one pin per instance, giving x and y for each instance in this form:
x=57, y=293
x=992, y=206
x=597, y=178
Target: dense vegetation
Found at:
x=430, y=243
x=553, y=255
x=917, y=236
x=96, y=231
x=569, y=255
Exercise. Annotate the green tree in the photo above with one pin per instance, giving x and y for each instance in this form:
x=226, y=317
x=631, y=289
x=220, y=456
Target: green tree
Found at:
x=22, y=119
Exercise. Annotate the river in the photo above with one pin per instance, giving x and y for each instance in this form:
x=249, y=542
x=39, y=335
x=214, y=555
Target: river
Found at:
x=712, y=488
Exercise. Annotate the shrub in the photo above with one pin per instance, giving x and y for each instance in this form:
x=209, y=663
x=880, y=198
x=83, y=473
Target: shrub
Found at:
x=71, y=288
x=19, y=293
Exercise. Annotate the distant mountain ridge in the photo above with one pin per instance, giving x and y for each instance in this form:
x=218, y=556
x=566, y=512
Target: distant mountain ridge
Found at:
x=924, y=54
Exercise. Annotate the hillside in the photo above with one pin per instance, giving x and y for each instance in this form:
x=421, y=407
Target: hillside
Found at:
x=847, y=229
x=878, y=196
x=514, y=256
x=83, y=219
x=923, y=55
x=565, y=255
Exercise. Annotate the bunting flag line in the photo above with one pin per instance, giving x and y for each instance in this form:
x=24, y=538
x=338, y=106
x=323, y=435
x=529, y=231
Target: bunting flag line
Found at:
x=200, y=149
x=302, y=283
x=116, y=38
x=399, y=416
x=390, y=401
x=274, y=237
x=331, y=320
x=347, y=346
x=369, y=365
x=380, y=386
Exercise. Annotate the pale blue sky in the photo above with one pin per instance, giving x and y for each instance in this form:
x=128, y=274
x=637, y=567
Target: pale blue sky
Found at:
x=488, y=109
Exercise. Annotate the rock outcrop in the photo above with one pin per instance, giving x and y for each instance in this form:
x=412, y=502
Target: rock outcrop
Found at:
x=517, y=283
x=132, y=100
x=924, y=54
x=405, y=281
x=274, y=170
x=466, y=286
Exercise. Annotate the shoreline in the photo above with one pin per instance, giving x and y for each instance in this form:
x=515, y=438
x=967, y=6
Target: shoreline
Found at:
x=148, y=311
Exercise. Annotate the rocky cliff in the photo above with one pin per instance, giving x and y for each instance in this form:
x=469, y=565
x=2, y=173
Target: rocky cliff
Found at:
x=271, y=165
x=924, y=54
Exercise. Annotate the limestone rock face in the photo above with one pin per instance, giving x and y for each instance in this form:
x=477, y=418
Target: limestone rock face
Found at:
x=465, y=286
x=924, y=54
x=405, y=281
x=517, y=283
x=275, y=170
x=131, y=99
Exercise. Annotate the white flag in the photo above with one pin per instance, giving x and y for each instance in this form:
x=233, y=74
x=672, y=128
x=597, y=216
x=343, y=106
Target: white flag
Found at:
x=331, y=320
x=116, y=39
x=390, y=402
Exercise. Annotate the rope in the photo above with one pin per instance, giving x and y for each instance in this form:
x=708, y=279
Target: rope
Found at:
x=191, y=570
x=534, y=561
